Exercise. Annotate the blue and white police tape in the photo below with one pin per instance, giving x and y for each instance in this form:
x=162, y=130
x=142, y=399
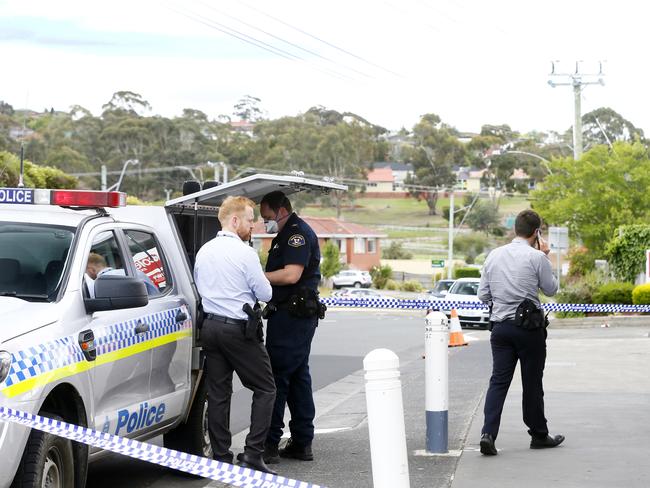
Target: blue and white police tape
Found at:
x=207, y=468
x=448, y=305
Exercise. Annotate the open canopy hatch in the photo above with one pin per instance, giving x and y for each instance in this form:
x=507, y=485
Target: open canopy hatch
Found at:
x=254, y=187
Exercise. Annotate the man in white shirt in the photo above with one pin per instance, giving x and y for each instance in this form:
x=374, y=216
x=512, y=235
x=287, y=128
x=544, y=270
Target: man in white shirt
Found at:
x=228, y=275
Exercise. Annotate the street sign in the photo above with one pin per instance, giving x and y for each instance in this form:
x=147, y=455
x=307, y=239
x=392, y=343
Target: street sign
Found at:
x=558, y=238
x=437, y=263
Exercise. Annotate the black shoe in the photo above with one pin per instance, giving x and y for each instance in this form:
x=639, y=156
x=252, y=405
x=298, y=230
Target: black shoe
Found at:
x=487, y=445
x=297, y=451
x=547, y=441
x=226, y=458
x=271, y=454
x=253, y=461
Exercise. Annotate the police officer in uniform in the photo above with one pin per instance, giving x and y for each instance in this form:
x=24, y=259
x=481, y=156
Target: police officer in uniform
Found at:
x=229, y=278
x=293, y=268
x=510, y=281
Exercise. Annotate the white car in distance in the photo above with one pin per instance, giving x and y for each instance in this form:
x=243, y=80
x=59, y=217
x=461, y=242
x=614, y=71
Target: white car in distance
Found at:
x=352, y=277
x=466, y=290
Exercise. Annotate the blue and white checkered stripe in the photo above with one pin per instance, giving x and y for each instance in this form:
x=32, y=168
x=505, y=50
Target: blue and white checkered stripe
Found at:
x=207, y=468
x=49, y=356
x=121, y=335
x=42, y=358
x=448, y=305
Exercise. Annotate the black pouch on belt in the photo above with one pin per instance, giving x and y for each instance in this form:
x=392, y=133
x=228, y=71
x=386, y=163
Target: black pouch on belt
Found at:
x=303, y=304
x=528, y=316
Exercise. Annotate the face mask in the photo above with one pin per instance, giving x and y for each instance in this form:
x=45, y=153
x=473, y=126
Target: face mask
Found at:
x=271, y=226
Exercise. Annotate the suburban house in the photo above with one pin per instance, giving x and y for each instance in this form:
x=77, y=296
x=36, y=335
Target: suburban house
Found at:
x=401, y=171
x=359, y=246
x=380, y=180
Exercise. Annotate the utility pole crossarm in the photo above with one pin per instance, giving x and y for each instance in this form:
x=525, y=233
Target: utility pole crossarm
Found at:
x=578, y=81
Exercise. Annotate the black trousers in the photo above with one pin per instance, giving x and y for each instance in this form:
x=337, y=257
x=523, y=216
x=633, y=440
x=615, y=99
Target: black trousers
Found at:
x=288, y=342
x=509, y=345
x=227, y=350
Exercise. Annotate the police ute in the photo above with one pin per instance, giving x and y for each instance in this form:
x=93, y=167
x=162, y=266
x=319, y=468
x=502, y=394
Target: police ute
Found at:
x=101, y=320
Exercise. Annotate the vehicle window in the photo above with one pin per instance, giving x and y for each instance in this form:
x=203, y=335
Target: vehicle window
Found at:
x=149, y=261
x=32, y=259
x=470, y=288
x=104, y=258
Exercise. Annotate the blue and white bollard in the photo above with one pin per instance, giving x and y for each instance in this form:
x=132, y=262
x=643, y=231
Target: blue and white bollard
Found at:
x=390, y=467
x=436, y=374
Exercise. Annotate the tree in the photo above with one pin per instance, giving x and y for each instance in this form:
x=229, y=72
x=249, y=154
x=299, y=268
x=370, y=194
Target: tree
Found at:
x=435, y=152
x=34, y=176
x=127, y=101
x=605, y=126
x=331, y=261
x=606, y=188
x=5, y=108
x=484, y=216
x=626, y=251
x=395, y=251
x=248, y=109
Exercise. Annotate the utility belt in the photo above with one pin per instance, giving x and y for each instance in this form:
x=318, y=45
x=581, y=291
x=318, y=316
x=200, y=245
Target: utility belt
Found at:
x=304, y=303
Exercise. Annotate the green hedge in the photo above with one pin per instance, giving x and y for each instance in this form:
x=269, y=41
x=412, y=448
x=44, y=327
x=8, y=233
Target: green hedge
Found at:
x=641, y=295
x=467, y=273
x=614, y=293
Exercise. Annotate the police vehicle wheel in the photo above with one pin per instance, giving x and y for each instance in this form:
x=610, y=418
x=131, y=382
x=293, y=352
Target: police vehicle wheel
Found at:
x=192, y=436
x=48, y=462
x=357, y=284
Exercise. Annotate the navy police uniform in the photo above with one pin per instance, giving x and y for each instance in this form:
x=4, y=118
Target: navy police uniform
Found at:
x=288, y=339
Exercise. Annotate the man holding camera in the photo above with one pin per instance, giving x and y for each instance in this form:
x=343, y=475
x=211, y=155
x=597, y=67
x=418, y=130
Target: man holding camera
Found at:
x=293, y=268
x=510, y=282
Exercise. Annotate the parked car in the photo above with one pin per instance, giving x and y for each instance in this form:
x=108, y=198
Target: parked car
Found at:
x=441, y=288
x=352, y=277
x=466, y=290
x=359, y=293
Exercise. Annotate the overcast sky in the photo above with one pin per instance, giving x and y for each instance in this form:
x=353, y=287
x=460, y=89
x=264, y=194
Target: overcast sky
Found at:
x=472, y=62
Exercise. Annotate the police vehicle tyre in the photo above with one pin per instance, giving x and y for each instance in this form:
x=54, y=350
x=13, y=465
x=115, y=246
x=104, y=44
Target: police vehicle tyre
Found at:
x=47, y=462
x=357, y=284
x=192, y=436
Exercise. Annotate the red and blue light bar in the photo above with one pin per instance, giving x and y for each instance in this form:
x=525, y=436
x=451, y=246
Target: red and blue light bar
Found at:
x=63, y=198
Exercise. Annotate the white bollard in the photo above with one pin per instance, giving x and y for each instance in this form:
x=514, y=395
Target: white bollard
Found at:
x=436, y=380
x=386, y=420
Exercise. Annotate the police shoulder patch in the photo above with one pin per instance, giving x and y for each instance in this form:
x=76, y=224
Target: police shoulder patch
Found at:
x=296, y=240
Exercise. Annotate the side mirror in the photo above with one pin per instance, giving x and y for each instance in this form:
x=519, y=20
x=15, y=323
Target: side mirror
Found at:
x=114, y=292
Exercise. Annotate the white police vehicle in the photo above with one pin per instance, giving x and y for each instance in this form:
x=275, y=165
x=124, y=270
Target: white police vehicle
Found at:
x=120, y=353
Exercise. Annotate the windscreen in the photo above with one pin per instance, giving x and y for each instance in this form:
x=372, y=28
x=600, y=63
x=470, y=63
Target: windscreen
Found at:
x=32, y=258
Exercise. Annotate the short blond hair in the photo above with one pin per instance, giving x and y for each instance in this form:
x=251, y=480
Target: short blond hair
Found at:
x=95, y=259
x=234, y=205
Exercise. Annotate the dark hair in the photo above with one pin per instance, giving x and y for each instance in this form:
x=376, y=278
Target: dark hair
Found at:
x=276, y=200
x=527, y=222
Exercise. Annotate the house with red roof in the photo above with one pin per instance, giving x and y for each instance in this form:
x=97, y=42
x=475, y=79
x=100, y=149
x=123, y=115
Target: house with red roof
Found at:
x=359, y=246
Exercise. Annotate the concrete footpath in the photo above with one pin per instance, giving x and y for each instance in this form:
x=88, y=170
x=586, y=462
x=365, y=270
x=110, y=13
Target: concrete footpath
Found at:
x=597, y=393
x=597, y=385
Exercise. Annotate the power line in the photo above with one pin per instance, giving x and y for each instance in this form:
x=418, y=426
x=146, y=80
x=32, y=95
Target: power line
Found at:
x=297, y=46
x=298, y=29
x=250, y=39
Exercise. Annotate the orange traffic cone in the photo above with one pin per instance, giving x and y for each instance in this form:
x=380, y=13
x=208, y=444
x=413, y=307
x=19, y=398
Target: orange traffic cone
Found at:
x=456, y=337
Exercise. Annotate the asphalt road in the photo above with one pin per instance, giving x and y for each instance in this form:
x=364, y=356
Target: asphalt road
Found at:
x=341, y=342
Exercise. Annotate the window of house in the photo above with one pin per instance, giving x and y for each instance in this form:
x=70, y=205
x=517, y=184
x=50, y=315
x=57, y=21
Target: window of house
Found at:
x=149, y=261
x=341, y=243
x=372, y=246
x=359, y=245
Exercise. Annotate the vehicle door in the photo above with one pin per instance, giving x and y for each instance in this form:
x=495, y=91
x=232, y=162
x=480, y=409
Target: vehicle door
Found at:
x=171, y=327
x=123, y=363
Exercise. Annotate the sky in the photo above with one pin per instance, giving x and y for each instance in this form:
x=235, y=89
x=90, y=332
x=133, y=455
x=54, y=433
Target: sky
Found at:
x=472, y=62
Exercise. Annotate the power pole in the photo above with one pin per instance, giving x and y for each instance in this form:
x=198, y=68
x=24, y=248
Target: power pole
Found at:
x=578, y=81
